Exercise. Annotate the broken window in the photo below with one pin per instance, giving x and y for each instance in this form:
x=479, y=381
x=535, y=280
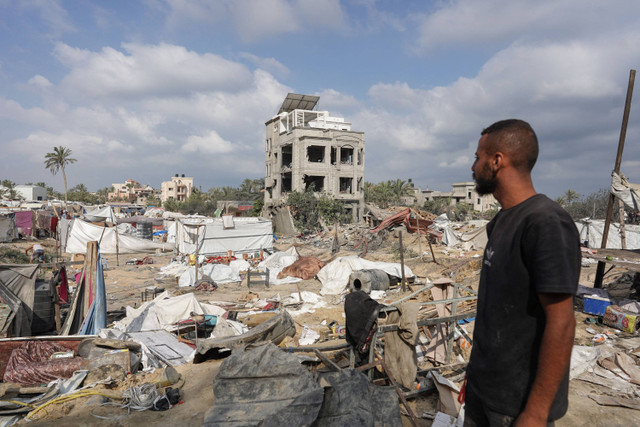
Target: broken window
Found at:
x=346, y=185
x=334, y=155
x=315, y=153
x=286, y=182
x=359, y=185
x=469, y=195
x=287, y=155
x=360, y=155
x=346, y=155
x=313, y=182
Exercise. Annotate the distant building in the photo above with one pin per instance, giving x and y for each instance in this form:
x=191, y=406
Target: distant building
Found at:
x=306, y=148
x=462, y=192
x=31, y=192
x=131, y=191
x=179, y=188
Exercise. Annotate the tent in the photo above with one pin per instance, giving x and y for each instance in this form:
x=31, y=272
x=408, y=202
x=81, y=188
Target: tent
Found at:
x=216, y=236
x=75, y=234
x=591, y=230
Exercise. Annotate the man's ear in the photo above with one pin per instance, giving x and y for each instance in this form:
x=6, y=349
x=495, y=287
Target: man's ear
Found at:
x=497, y=161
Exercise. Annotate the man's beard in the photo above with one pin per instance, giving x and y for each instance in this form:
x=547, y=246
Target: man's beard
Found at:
x=486, y=185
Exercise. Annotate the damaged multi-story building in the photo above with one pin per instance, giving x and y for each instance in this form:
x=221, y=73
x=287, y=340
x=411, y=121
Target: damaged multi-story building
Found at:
x=307, y=149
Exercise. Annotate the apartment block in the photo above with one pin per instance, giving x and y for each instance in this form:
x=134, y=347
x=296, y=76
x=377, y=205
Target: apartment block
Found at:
x=179, y=188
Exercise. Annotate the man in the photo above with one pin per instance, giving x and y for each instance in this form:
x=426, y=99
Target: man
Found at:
x=518, y=373
x=38, y=253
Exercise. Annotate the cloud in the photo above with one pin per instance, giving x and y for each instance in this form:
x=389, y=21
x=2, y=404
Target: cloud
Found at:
x=472, y=23
x=271, y=65
x=254, y=20
x=210, y=143
x=54, y=16
x=147, y=71
x=39, y=81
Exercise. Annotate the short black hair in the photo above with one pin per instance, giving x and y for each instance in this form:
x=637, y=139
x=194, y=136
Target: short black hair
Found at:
x=516, y=138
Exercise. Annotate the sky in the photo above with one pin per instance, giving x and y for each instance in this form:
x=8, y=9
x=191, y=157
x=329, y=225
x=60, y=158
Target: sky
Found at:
x=150, y=88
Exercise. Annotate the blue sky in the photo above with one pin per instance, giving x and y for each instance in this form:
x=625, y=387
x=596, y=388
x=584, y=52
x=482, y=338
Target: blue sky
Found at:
x=146, y=89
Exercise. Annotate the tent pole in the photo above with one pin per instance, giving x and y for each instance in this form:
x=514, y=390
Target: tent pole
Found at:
x=597, y=283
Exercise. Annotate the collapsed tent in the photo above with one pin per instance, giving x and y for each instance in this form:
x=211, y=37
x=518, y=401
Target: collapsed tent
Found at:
x=75, y=234
x=217, y=236
x=335, y=275
x=624, y=190
x=591, y=230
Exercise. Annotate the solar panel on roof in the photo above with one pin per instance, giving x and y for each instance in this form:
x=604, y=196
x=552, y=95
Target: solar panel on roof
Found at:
x=296, y=101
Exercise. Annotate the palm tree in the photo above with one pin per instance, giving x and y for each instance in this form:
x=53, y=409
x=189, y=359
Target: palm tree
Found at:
x=57, y=160
x=10, y=189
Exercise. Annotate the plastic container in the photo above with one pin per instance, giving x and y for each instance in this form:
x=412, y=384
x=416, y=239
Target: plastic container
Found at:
x=595, y=305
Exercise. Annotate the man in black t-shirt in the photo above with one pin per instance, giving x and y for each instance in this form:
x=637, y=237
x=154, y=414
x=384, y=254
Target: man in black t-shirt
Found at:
x=518, y=373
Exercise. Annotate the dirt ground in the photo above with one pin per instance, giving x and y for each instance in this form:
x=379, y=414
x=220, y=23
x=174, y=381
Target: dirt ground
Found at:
x=126, y=283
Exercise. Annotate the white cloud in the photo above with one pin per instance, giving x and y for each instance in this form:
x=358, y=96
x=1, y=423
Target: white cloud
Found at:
x=147, y=70
x=39, y=81
x=52, y=14
x=473, y=23
x=271, y=65
x=211, y=143
x=254, y=20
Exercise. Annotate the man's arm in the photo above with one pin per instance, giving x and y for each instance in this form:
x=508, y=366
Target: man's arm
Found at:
x=554, y=357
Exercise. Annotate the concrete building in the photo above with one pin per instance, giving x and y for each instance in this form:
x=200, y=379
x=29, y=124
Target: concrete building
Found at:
x=179, y=188
x=131, y=191
x=31, y=192
x=462, y=192
x=306, y=148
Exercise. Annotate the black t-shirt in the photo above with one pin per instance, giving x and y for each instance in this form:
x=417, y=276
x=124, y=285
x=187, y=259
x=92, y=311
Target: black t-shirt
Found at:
x=533, y=248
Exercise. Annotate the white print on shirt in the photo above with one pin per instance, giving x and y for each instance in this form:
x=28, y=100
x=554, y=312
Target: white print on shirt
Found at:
x=489, y=253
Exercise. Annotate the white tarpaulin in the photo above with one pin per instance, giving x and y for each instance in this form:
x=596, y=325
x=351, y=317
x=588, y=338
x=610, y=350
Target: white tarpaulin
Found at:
x=276, y=262
x=592, y=229
x=100, y=215
x=625, y=191
x=335, y=275
x=164, y=312
x=247, y=235
x=79, y=233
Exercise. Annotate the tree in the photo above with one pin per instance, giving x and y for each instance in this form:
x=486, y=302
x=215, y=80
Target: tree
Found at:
x=57, y=160
x=10, y=189
x=400, y=189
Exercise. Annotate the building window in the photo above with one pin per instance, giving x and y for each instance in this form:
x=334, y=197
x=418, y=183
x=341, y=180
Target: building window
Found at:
x=346, y=155
x=315, y=153
x=287, y=155
x=346, y=185
x=313, y=182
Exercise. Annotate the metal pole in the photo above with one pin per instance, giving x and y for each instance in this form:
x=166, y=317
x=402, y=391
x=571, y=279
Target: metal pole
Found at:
x=402, y=260
x=597, y=283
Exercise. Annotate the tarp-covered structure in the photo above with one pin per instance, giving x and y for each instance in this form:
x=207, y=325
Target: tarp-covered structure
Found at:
x=104, y=214
x=624, y=190
x=217, y=236
x=8, y=230
x=17, y=290
x=75, y=234
x=591, y=231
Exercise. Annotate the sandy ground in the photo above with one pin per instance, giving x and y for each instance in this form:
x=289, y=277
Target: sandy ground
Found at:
x=125, y=284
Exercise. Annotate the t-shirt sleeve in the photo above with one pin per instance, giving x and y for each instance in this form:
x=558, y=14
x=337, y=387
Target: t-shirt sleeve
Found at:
x=552, y=254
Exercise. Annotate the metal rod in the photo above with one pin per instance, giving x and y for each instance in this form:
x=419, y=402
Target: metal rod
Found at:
x=402, y=260
x=623, y=133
